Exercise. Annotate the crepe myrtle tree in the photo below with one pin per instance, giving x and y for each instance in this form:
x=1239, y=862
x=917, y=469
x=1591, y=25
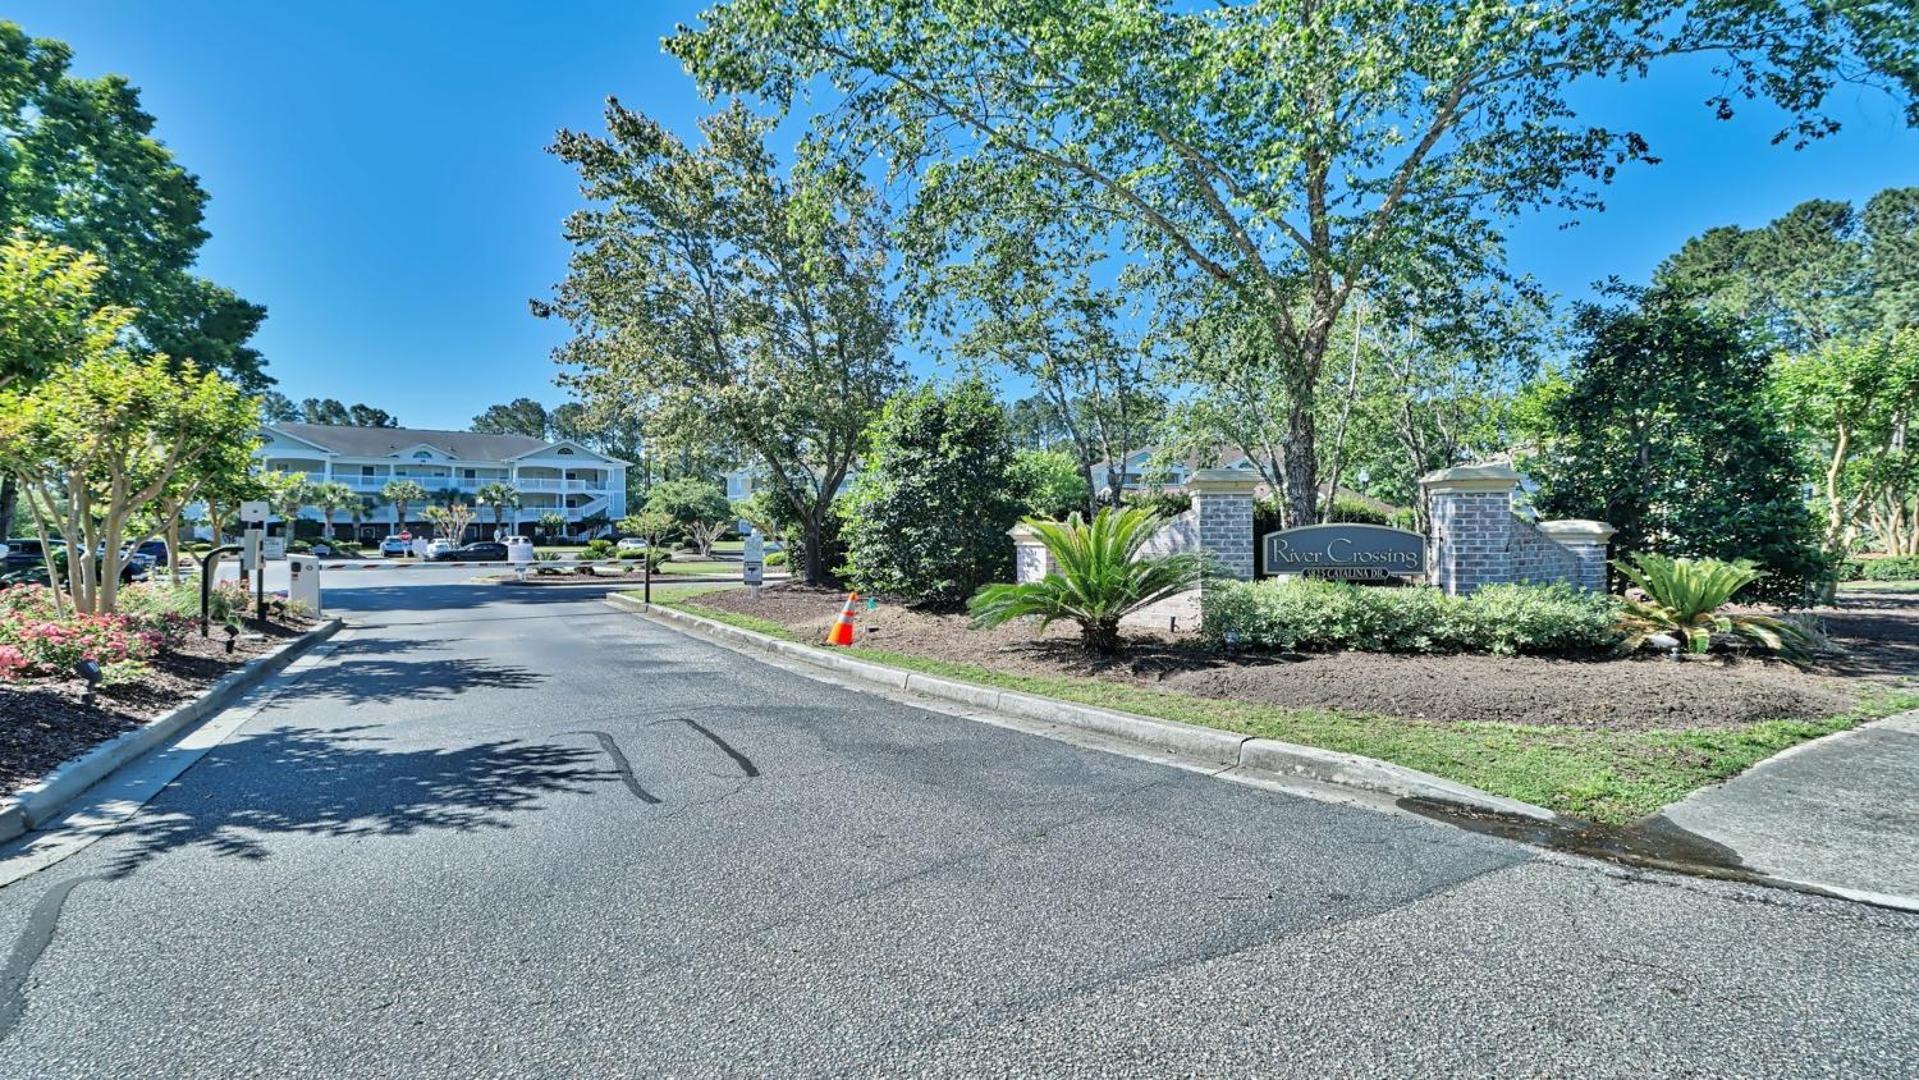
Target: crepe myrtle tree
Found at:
x=552, y=524
x=1268, y=158
x=451, y=519
x=97, y=445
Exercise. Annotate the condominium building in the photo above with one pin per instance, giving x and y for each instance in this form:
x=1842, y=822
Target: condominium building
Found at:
x=563, y=478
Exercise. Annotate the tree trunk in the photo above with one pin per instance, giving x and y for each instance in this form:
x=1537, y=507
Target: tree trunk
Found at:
x=815, y=553
x=1299, y=496
x=9, y=503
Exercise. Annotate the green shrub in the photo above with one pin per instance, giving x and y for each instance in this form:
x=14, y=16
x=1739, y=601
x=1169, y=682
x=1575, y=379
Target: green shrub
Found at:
x=1311, y=615
x=778, y=558
x=300, y=547
x=598, y=548
x=1352, y=508
x=1889, y=568
x=1048, y=483
x=928, y=518
x=1509, y=619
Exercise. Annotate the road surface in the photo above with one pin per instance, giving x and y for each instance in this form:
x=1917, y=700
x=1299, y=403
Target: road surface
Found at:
x=515, y=833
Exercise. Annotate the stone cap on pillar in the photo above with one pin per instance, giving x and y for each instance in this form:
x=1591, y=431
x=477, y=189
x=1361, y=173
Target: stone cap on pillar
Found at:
x=1023, y=534
x=1576, y=530
x=1471, y=478
x=1222, y=482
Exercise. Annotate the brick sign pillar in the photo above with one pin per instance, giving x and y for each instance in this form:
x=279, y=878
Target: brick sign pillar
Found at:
x=1223, y=503
x=1471, y=512
x=1588, y=541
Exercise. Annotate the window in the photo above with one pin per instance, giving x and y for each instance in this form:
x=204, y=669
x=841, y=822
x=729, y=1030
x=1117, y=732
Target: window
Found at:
x=567, y=450
x=366, y=471
x=466, y=474
x=422, y=455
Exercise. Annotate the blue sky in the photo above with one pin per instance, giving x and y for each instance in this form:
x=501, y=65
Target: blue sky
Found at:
x=379, y=180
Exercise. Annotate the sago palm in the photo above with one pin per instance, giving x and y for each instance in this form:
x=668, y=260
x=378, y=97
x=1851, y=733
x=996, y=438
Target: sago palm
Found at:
x=1102, y=577
x=1684, y=598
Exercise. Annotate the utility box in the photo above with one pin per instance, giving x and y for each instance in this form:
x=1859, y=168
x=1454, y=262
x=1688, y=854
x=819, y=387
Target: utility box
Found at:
x=519, y=554
x=303, y=583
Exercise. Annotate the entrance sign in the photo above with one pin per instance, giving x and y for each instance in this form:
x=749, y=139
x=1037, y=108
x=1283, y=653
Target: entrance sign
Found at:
x=1346, y=552
x=273, y=548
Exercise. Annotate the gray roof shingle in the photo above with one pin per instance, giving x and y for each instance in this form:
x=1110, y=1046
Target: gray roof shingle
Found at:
x=381, y=442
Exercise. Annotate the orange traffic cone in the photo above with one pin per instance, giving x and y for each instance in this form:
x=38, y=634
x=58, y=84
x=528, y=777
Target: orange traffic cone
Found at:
x=842, y=632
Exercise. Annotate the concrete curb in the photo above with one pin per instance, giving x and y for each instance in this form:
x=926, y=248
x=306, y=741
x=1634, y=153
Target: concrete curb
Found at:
x=1211, y=745
x=38, y=803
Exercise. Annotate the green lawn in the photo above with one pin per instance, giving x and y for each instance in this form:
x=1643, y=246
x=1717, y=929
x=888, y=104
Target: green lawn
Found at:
x=676, y=565
x=1606, y=776
x=675, y=594
x=1879, y=586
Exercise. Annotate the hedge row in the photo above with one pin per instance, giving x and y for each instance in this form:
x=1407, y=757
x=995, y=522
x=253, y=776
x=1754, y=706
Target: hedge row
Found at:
x=1888, y=568
x=1313, y=616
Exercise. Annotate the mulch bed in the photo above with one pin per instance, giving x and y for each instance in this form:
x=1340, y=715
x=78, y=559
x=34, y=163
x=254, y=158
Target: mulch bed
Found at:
x=1634, y=694
x=45, y=722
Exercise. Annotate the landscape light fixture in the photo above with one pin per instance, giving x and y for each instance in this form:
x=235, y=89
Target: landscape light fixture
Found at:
x=232, y=632
x=89, y=669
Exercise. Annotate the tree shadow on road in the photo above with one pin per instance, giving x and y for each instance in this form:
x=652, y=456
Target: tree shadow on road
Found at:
x=365, y=677
x=341, y=782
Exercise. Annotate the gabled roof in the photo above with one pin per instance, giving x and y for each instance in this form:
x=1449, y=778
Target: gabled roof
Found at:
x=385, y=442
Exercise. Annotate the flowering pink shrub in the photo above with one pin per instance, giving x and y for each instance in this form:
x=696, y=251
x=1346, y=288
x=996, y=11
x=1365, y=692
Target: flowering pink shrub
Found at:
x=35, y=641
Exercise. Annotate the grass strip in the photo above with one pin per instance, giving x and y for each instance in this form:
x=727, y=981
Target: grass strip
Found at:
x=1608, y=776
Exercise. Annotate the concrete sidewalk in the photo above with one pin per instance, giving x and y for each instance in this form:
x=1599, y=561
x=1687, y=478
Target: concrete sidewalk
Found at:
x=1839, y=813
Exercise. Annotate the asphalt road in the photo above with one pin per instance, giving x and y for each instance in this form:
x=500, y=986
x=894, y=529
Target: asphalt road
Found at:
x=501, y=833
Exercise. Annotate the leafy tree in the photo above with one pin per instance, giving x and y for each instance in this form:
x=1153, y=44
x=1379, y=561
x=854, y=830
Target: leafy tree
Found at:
x=650, y=525
x=402, y=494
x=1821, y=273
x=79, y=166
x=928, y=519
x=1047, y=483
x=698, y=507
x=1855, y=401
x=332, y=413
x=1661, y=428
x=277, y=408
x=717, y=301
x=521, y=416
x=500, y=497
x=50, y=311
x=368, y=416
x=1270, y=158
x=99, y=444
x=332, y=497
x=552, y=524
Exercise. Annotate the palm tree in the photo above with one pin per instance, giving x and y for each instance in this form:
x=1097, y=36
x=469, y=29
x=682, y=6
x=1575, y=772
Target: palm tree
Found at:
x=500, y=497
x=1102, y=576
x=329, y=499
x=362, y=506
x=401, y=493
x=285, y=494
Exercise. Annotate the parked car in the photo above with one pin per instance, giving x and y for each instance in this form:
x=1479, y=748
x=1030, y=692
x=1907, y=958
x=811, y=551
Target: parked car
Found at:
x=437, y=547
x=24, y=551
x=480, y=551
x=156, y=552
x=632, y=543
x=395, y=545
